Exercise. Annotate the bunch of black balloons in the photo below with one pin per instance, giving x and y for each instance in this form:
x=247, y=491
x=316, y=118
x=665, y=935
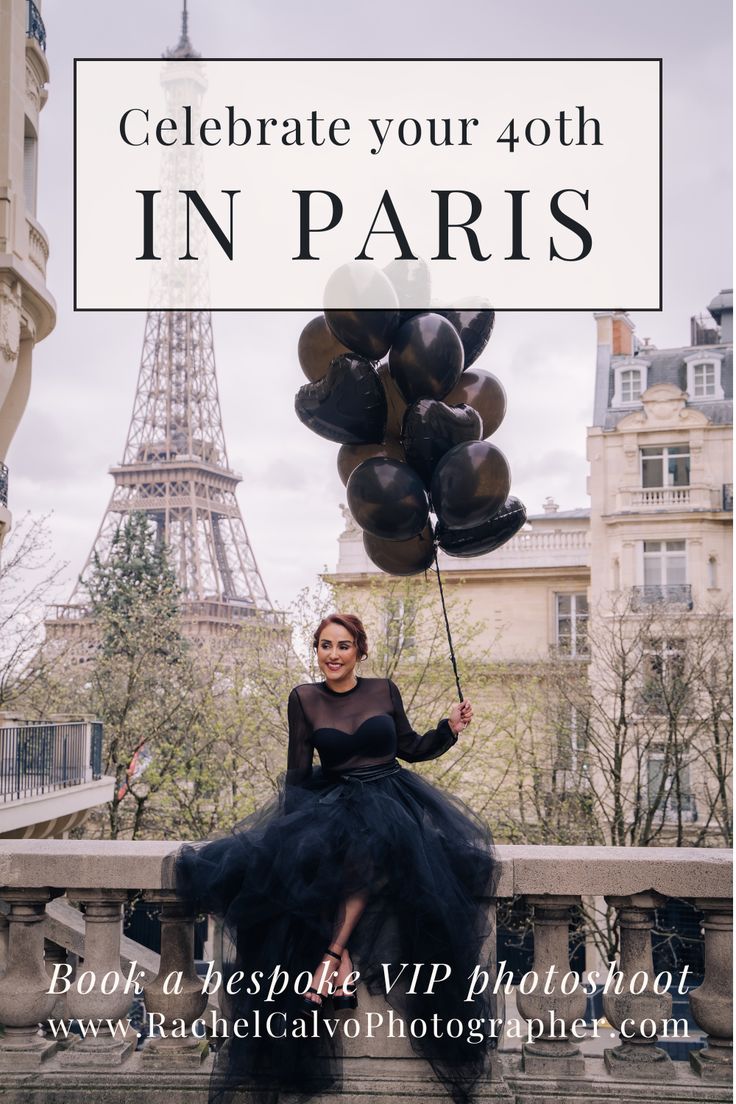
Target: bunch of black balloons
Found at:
x=395, y=388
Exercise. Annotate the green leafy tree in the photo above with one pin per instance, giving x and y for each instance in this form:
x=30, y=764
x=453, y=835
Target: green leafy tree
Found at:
x=139, y=679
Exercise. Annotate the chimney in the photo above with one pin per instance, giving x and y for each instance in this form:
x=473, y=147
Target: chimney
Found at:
x=721, y=308
x=616, y=331
x=549, y=505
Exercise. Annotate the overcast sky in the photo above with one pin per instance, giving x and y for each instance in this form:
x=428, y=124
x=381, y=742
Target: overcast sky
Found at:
x=85, y=371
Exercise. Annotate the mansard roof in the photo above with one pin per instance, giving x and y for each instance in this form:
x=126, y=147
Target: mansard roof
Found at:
x=669, y=366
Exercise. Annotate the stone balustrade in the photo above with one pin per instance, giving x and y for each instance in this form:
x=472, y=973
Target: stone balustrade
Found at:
x=693, y=497
x=38, y=246
x=560, y=1062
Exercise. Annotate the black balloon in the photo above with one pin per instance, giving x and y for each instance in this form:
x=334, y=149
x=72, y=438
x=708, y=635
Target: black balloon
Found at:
x=484, y=392
x=363, y=287
x=426, y=358
x=395, y=402
x=350, y=456
x=432, y=428
x=368, y=332
x=488, y=535
x=409, y=557
x=474, y=328
x=387, y=499
x=470, y=483
x=412, y=283
x=348, y=405
x=317, y=347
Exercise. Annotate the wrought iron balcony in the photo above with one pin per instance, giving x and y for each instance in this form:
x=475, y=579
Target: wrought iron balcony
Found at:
x=4, y=475
x=40, y=758
x=35, y=27
x=665, y=594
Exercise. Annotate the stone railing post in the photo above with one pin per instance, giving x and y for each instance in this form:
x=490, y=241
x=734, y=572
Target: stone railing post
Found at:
x=3, y=943
x=553, y=1053
x=100, y=992
x=174, y=997
x=25, y=1001
x=55, y=955
x=712, y=1002
x=638, y=1009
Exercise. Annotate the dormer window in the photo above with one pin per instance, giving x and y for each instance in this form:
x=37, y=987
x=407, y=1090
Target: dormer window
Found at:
x=630, y=385
x=630, y=382
x=704, y=378
x=704, y=381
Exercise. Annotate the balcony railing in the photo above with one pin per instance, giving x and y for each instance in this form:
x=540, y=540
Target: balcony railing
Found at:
x=692, y=497
x=4, y=476
x=38, y=246
x=666, y=594
x=34, y=25
x=120, y=1068
x=657, y=497
x=40, y=758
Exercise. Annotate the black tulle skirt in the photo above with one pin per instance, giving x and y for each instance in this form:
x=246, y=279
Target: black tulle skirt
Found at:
x=277, y=882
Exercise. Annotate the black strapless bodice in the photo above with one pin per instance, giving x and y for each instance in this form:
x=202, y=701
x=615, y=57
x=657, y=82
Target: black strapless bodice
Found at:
x=374, y=738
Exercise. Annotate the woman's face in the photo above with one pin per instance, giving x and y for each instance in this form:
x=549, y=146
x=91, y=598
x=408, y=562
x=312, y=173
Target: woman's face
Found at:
x=337, y=656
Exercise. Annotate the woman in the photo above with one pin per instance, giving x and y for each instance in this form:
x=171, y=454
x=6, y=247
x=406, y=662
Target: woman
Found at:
x=360, y=866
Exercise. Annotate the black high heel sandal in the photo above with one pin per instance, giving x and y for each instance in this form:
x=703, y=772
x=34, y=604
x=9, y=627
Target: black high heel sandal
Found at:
x=309, y=1005
x=344, y=1000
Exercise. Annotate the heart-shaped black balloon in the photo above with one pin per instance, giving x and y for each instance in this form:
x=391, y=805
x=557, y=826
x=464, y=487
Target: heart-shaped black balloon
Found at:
x=488, y=535
x=485, y=394
x=347, y=406
x=388, y=499
x=432, y=428
x=409, y=557
x=470, y=483
x=426, y=358
x=474, y=328
x=394, y=401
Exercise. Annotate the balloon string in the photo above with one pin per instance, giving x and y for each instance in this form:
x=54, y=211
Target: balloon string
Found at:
x=447, y=627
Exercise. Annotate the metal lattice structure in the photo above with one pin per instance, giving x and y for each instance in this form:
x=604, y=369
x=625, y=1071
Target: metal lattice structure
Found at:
x=175, y=467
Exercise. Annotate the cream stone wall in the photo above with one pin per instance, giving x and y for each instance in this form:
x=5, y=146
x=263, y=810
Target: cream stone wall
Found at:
x=624, y=514
x=510, y=591
x=27, y=309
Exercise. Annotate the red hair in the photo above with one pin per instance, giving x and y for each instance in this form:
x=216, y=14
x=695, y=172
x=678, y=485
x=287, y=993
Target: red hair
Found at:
x=353, y=625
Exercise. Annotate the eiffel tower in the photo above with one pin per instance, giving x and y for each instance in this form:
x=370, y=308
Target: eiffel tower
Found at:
x=175, y=467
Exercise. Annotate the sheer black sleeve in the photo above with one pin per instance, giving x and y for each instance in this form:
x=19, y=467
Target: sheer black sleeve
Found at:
x=413, y=747
x=301, y=749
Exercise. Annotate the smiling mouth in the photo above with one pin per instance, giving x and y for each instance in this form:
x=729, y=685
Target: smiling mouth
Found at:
x=334, y=666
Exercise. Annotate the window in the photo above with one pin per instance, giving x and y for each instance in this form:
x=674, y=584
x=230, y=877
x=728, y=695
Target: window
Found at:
x=665, y=466
x=668, y=789
x=30, y=157
x=704, y=381
x=629, y=381
x=571, y=617
x=665, y=563
x=704, y=378
x=400, y=627
x=663, y=677
x=630, y=385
